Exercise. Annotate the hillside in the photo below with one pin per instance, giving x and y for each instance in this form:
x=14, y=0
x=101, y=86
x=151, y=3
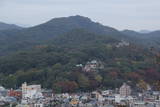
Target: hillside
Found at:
x=4, y=26
x=148, y=40
x=15, y=40
x=29, y=37
x=54, y=63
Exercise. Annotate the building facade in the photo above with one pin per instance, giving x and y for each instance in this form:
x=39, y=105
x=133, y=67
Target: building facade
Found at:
x=125, y=90
x=31, y=91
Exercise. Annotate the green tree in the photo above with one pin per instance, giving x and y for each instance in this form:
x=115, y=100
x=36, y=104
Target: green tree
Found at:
x=83, y=82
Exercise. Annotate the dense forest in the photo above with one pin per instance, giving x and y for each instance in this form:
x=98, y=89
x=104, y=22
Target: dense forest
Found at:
x=51, y=58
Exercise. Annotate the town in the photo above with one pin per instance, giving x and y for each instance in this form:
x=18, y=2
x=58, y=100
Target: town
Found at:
x=79, y=53
x=35, y=96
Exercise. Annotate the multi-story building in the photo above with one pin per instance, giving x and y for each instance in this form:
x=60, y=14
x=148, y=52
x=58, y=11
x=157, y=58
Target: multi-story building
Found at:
x=125, y=90
x=31, y=91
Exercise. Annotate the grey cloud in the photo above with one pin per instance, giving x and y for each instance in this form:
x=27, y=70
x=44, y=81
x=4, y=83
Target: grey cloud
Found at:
x=134, y=14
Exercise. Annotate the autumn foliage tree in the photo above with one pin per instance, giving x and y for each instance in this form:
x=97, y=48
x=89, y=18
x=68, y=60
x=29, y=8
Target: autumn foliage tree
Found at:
x=142, y=85
x=157, y=85
x=133, y=76
x=66, y=86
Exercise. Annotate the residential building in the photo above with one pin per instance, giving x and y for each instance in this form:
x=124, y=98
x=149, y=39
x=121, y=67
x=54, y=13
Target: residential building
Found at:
x=93, y=65
x=31, y=91
x=15, y=93
x=125, y=90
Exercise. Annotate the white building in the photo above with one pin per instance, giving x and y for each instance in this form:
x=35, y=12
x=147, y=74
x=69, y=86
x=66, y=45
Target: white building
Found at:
x=2, y=88
x=122, y=43
x=93, y=65
x=125, y=90
x=3, y=91
x=31, y=91
x=106, y=92
x=38, y=105
x=139, y=104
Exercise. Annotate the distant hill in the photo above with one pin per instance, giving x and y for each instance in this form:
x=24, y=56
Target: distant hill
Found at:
x=147, y=40
x=144, y=31
x=4, y=26
x=12, y=40
x=58, y=26
x=29, y=37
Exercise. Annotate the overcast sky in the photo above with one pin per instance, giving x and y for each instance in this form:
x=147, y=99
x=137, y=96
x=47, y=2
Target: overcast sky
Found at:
x=120, y=14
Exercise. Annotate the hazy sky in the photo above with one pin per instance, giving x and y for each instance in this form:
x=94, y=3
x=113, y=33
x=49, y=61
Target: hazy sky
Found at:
x=121, y=14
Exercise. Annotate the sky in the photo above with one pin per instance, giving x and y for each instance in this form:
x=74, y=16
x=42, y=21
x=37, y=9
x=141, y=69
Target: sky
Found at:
x=120, y=14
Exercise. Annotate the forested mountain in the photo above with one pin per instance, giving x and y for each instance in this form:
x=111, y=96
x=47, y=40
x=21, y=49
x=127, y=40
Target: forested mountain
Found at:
x=22, y=39
x=29, y=37
x=4, y=26
x=47, y=54
x=144, y=31
x=54, y=64
x=148, y=40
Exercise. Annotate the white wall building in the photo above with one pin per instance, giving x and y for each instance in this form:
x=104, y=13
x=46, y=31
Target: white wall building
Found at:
x=2, y=88
x=93, y=65
x=125, y=90
x=31, y=91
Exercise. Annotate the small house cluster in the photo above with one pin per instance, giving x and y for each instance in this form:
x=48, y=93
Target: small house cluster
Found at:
x=122, y=44
x=34, y=96
x=91, y=66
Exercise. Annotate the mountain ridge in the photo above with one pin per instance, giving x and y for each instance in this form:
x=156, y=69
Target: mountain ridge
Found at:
x=29, y=37
x=5, y=26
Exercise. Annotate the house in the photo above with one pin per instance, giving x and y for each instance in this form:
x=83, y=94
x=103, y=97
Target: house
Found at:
x=97, y=95
x=2, y=88
x=38, y=105
x=3, y=91
x=47, y=93
x=74, y=102
x=15, y=93
x=22, y=105
x=92, y=66
x=122, y=44
x=79, y=65
x=10, y=99
x=139, y=104
x=106, y=93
